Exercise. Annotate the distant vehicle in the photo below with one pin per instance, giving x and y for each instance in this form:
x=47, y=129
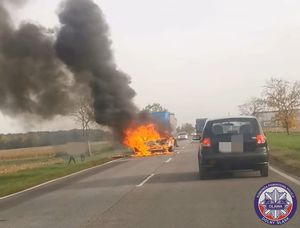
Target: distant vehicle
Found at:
x=196, y=138
x=182, y=136
x=200, y=123
x=233, y=144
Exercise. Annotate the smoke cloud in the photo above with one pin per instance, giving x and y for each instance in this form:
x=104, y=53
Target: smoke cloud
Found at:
x=33, y=79
x=83, y=44
x=42, y=73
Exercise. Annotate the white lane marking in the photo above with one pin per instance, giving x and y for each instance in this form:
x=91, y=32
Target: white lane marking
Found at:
x=54, y=180
x=167, y=161
x=144, y=181
x=292, y=179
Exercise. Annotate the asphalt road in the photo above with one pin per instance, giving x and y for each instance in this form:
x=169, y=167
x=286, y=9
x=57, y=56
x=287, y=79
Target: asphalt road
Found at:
x=162, y=191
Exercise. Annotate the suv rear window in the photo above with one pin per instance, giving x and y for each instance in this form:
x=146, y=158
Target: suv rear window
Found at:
x=234, y=126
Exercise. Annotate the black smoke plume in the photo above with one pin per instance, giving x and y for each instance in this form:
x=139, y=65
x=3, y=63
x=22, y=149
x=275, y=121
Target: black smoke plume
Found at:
x=83, y=44
x=43, y=73
x=32, y=78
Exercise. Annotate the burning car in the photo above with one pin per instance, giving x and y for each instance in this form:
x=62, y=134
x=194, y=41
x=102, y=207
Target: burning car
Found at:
x=163, y=145
x=145, y=140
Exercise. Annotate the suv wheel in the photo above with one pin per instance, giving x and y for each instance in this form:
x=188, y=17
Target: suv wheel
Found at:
x=264, y=171
x=203, y=173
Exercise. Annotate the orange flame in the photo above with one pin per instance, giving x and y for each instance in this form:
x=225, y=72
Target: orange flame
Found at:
x=145, y=140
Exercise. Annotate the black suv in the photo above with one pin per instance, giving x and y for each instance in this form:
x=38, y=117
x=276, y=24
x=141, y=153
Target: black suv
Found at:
x=233, y=144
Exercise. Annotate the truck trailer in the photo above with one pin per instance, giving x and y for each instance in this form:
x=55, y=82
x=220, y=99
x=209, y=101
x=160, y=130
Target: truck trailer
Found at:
x=167, y=120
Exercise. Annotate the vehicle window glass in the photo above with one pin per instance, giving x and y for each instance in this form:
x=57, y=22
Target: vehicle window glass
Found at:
x=232, y=127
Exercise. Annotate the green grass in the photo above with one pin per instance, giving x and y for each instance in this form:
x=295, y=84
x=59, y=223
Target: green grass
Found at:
x=21, y=180
x=285, y=149
x=282, y=141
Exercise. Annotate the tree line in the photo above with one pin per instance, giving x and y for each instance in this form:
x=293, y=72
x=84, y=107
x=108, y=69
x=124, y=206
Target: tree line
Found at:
x=35, y=139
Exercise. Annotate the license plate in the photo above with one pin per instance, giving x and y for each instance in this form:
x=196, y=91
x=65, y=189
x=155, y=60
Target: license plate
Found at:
x=236, y=145
x=225, y=147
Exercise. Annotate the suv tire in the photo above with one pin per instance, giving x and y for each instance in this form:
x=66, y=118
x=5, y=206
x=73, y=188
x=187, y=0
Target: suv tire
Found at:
x=264, y=171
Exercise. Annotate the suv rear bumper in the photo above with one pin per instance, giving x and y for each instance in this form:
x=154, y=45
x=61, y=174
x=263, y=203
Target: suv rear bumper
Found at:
x=234, y=161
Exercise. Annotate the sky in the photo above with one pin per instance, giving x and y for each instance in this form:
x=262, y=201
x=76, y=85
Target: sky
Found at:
x=197, y=58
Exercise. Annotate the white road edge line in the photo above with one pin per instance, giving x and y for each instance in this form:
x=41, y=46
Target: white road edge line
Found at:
x=167, y=161
x=54, y=180
x=292, y=179
x=144, y=181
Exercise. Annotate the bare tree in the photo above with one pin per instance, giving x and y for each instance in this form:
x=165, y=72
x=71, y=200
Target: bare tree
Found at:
x=284, y=97
x=252, y=106
x=84, y=115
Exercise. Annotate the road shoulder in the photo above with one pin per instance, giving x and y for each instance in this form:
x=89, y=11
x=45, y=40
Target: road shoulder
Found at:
x=294, y=171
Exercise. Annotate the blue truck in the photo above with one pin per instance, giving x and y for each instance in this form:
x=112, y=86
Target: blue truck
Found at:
x=166, y=119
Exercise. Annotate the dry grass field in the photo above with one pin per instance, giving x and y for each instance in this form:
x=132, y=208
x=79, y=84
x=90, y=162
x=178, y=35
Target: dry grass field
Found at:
x=15, y=160
x=24, y=168
x=28, y=153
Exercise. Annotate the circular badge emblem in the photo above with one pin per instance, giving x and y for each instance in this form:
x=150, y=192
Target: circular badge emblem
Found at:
x=275, y=203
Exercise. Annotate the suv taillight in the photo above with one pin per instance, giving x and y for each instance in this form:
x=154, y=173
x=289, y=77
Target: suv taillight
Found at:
x=260, y=139
x=206, y=142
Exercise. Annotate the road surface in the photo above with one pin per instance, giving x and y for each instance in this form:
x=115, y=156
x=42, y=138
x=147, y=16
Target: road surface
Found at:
x=162, y=191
